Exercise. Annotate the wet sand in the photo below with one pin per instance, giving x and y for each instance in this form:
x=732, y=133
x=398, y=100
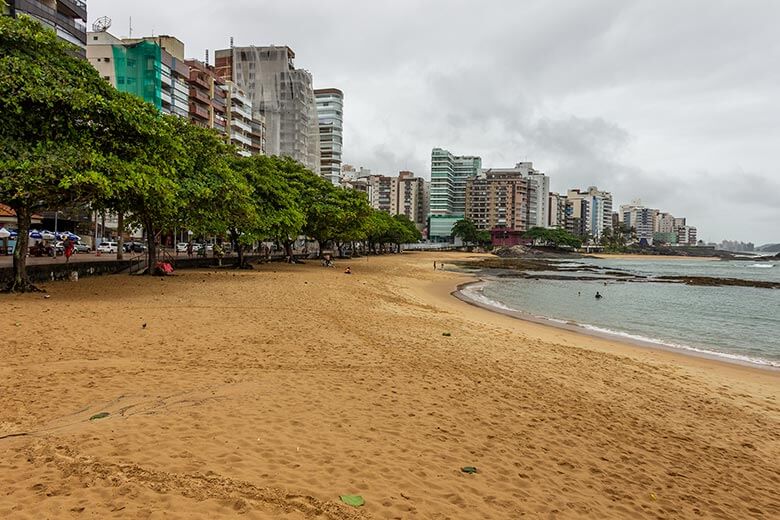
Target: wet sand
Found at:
x=269, y=393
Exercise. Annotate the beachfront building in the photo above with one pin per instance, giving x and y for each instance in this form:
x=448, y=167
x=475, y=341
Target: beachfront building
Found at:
x=538, y=194
x=556, y=210
x=239, y=119
x=599, y=211
x=577, y=211
x=330, y=114
x=382, y=193
x=447, y=199
x=641, y=218
x=151, y=68
x=208, y=97
x=499, y=198
x=279, y=92
x=68, y=18
x=412, y=198
x=686, y=235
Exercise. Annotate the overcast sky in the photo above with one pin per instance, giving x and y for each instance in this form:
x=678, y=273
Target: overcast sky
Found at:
x=676, y=103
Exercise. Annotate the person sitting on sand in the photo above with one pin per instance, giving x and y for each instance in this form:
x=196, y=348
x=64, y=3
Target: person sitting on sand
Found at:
x=347, y=270
x=598, y=296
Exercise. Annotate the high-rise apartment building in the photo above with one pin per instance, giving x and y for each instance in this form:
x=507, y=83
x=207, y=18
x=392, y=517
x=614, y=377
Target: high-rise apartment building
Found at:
x=577, y=216
x=686, y=235
x=330, y=113
x=539, y=194
x=208, y=97
x=556, y=210
x=239, y=119
x=641, y=218
x=383, y=193
x=448, y=190
x=499, y=198
x=151, y=68
x=282, y=94
x=599, y=215
x=68, y=18
x=412, y=199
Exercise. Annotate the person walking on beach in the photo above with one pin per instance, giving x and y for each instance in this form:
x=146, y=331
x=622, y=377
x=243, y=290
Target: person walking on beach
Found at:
x=189, y=248
x=68, y=250
x=434, y=265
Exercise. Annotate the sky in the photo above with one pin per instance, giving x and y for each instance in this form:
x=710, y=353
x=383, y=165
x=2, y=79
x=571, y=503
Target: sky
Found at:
x=674, y=103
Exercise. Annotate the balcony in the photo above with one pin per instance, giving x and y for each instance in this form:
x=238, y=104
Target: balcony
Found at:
x=200, y=96
x=198, y=112
x=198, y=78
x=54, y=19
x=76, y=8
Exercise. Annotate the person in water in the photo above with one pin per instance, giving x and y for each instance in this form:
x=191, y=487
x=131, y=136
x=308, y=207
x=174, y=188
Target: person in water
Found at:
x=598, y=296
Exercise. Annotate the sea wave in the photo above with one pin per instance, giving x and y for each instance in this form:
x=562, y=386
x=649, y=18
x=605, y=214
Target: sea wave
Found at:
x=764, y=266
x=474, y=292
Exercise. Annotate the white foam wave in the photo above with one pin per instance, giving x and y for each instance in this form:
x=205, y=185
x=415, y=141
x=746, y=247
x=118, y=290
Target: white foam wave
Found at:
x=763, y=266
x=475, y=293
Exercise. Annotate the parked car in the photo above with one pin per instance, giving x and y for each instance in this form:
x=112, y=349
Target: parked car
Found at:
x=134, y=247
x=107, y=247
x=81, y=248
x=57, y=248
x=181, y=247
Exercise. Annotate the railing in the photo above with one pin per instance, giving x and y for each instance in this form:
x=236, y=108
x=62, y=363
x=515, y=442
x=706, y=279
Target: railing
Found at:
x=47, y=14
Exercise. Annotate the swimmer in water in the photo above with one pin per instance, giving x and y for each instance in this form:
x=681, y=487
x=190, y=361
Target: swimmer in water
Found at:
x=598, y=296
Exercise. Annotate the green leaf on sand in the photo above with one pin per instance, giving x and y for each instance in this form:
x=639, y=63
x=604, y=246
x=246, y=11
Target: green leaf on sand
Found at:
x=100, y=415
x=468, y=469
x=352, y=500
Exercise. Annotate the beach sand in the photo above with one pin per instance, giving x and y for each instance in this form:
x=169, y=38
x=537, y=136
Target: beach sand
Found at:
x=269, y=393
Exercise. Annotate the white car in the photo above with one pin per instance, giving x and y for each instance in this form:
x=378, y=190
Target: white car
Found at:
x=181, y=247
x=107, y=247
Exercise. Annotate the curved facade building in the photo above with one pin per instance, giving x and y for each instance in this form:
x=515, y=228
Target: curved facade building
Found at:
x=330, y=112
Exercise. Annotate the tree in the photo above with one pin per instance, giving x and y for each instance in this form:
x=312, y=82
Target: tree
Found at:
x=466, y=230
x=54, y=112
x=556, y=237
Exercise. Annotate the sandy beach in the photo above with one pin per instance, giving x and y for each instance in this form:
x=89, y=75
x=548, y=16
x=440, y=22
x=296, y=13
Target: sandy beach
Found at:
x=268, y=393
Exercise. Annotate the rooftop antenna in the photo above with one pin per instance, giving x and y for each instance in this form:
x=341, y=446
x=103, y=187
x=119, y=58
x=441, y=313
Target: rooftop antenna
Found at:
x=207, y=56
x=131, y=27
x=231, y=42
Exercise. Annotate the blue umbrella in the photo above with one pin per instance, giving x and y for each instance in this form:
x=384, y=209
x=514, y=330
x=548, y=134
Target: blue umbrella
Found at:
x=14, y=234
x=73, y=237
x=36, y=235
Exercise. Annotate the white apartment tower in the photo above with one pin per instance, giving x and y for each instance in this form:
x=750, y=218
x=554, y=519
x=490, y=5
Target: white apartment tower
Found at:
x=330, y=114
x=282, y=94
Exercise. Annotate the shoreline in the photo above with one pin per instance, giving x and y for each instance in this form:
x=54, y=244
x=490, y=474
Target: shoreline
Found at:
x=578, y=328
x=671, y=258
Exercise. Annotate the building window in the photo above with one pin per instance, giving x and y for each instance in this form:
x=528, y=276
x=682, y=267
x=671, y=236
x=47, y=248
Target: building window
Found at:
x=95, y=38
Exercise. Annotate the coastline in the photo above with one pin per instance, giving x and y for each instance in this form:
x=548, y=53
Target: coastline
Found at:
x=670, y=258
x=577, y=328
x=270, y=392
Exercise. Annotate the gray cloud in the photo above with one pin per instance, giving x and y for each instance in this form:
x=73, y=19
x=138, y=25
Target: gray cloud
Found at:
x=673, y=102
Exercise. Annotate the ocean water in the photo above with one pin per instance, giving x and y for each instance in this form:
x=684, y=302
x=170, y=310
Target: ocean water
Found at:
x=737, y=323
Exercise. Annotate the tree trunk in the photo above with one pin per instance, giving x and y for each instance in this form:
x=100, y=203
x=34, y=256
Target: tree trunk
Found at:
x=120, y=243
x=151, y=250
x=20, y=282
x=289, y=251
x=234, y=237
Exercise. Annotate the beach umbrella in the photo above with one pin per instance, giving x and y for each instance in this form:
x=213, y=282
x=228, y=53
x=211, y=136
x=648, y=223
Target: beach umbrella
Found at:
x=73, y=237
x=14, y=234
x=36, y=234
x=47, y=235
x=4, y=233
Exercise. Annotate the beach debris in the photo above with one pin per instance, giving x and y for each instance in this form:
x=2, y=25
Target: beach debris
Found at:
x=447, y=334
x=469, y=469
x=46, y=296
x=101, y=415
x=143, y=326
x=18, y=324
x=352, y=500
x=653, y=497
